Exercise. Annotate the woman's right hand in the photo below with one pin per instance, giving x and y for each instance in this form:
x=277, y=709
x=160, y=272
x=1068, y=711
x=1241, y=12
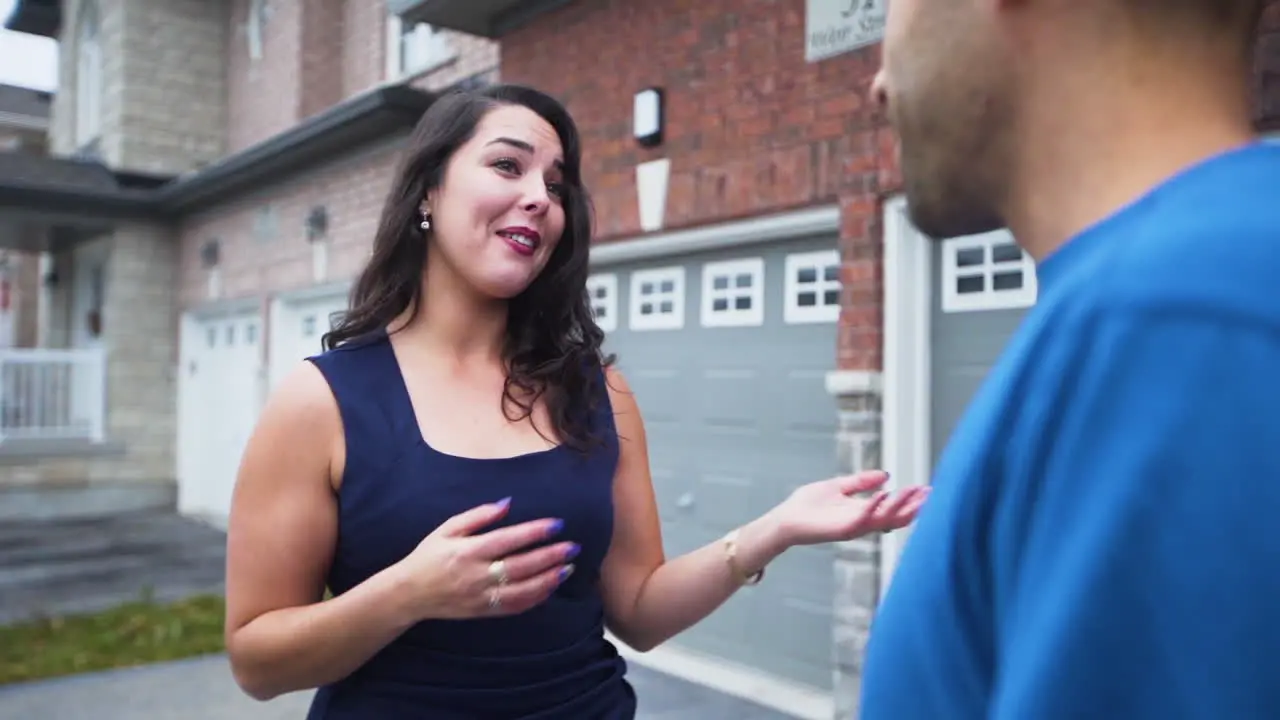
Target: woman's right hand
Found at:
x=455, y=573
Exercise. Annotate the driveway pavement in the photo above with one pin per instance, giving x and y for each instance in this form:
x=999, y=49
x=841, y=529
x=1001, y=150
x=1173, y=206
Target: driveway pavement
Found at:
x=202, y=689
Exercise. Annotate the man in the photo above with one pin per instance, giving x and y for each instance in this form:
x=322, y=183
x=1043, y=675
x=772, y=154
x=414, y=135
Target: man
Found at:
x=1102, y=541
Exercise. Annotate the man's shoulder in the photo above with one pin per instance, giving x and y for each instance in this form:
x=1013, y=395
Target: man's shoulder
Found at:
x=1189, y=259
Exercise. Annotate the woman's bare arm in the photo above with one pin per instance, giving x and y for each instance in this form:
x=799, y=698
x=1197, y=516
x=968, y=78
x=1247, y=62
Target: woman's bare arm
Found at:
x=280, y=636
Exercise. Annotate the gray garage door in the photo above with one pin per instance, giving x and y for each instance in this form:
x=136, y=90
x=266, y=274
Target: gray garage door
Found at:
x=727, y=354
x=984, y=285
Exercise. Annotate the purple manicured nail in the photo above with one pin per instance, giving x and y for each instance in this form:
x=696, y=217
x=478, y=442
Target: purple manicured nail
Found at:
x=503, y=503
x=572, y=552
x=556, y=526
x=565, y=572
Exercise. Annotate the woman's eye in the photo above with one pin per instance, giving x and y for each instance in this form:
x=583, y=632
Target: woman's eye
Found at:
x=507, y=166
x=556, y=189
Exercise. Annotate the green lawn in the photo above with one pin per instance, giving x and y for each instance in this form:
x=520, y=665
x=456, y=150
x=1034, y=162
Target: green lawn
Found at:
x=134, y=634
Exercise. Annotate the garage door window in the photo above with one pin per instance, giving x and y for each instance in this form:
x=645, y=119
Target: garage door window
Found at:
x=986, y=272
x=733, y=293
x=812, y=287
x=603, y=293
x=657, y=299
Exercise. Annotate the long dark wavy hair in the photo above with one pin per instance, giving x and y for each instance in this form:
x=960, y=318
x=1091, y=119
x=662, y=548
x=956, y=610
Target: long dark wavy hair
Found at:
x=553, y=345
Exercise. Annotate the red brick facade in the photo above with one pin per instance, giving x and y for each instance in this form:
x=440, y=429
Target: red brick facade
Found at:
x=751, y=127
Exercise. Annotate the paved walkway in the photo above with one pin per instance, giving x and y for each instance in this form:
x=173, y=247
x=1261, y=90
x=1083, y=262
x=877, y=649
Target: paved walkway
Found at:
x=202, y=689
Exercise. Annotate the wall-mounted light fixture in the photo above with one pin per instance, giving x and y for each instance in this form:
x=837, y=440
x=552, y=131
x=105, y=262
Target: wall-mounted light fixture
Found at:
x=209, y=253
x=317, y=223
x=649, y=116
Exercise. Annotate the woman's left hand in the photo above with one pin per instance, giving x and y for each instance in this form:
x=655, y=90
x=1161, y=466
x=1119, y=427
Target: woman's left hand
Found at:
x=827, y=510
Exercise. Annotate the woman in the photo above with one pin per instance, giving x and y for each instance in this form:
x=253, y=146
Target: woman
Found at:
x=466, y=473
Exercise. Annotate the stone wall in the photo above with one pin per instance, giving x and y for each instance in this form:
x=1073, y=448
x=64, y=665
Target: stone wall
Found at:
x=140, y=333
x=857, y=569
x=163, y=83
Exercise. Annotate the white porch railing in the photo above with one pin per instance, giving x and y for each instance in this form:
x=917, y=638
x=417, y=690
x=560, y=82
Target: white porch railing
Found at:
x=52, y=394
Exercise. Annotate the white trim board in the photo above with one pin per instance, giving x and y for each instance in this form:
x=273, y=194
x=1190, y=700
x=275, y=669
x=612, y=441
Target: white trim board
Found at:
x=905, y=422
x=799, y=701
x=233, y=307
x=735, y=234
x=315, y=292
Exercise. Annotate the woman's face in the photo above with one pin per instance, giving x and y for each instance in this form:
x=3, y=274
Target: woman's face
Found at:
x=498, y=213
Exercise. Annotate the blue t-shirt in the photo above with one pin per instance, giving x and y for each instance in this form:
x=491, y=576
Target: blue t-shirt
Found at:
x=1103, y=538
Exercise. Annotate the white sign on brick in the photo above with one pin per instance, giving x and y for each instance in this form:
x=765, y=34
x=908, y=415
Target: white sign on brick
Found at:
x=834, y=27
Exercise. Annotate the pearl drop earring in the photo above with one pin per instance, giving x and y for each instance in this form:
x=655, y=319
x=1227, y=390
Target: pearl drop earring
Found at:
x=426, y=222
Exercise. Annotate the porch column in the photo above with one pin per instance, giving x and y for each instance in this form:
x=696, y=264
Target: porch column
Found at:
x=139, y=331
x=857, y=567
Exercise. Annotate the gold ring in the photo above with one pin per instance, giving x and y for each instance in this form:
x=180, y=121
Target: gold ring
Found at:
x=498, y=571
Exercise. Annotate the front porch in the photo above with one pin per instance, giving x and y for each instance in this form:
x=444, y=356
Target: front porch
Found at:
x=51, y=399
x=87, y=404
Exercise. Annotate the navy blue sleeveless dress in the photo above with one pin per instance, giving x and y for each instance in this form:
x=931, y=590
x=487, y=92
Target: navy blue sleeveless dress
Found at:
x=552, y=662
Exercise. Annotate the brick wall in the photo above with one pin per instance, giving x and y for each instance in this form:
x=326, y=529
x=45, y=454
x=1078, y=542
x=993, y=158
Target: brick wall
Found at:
x=171, y=87
x=364, y=61
x=1267, y=69
x=751, y=127
x=163, y=83
x=262, y=79
x=476, y=57
x=352, y=189
x=313, y=55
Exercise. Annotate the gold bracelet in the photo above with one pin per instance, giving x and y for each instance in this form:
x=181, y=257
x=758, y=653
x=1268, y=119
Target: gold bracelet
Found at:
x=731, y=556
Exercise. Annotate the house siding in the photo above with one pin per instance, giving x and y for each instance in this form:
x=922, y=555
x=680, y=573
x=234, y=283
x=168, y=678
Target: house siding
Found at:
x=313, y=55
x=261, y=234
x=181, y=90
x=751, y=127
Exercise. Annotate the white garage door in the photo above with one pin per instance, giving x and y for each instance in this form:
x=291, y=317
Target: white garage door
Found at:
x=219, y=402
x=728, y=353
x=297, y=326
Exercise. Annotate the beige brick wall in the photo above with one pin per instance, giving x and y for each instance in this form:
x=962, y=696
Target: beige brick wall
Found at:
x=139, y=333
x=351, y=188
x=189, y=81
x=172, y=86
x=62, y=112
x=163, y=83
x=184, y=87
